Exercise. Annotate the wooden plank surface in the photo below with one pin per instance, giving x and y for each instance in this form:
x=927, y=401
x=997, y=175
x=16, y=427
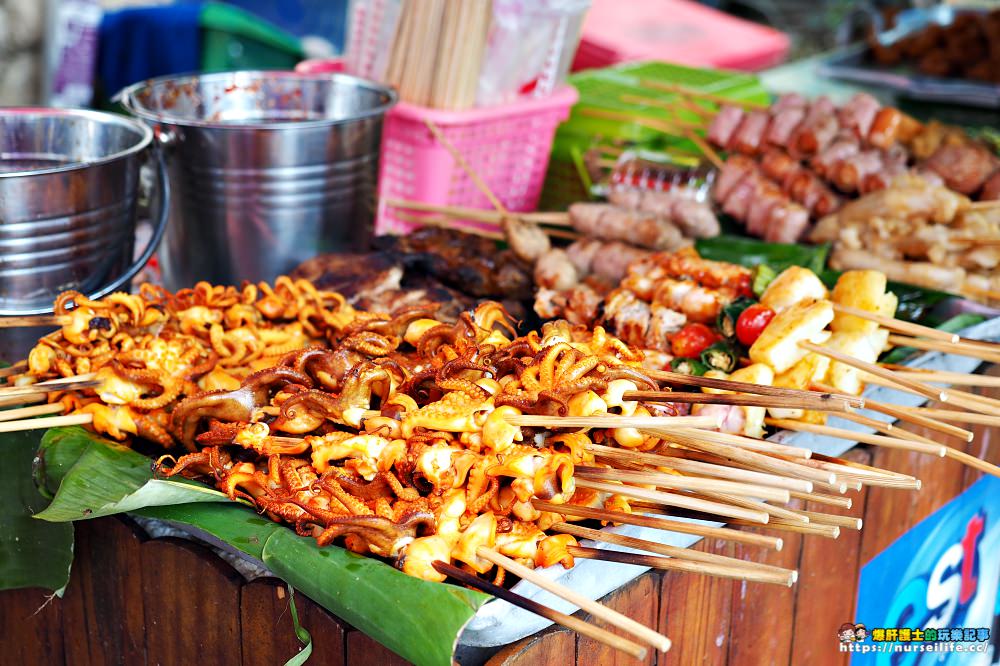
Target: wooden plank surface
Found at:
x=638, y=600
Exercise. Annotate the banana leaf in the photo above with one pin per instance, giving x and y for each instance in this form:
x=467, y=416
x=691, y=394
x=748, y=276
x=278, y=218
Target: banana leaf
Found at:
x=33, y=553
x=915, y=303
x=417, y=619
x=106, y=478
x=749, y=252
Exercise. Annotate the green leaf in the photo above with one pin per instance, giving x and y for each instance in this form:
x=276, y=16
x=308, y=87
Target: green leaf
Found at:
x=417, y=619
x=300, y=633
x=106, y=478
x=32, y=553
x=750, y=252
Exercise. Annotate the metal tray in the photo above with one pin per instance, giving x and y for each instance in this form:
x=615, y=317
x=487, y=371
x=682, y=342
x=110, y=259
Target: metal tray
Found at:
x=854, y=64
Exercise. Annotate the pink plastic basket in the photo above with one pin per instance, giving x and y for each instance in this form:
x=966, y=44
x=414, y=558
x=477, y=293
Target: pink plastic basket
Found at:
x=507, y=146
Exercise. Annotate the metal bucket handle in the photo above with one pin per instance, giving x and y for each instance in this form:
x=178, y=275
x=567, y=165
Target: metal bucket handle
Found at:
x=161, y=224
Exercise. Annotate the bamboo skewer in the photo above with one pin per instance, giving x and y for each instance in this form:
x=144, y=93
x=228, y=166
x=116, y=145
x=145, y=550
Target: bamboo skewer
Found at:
x=819, y=498
x=970, y=401
x=682, y=558
x=959, y=348
x=973, y=462
x=896, y=324
x=573, y=623
x=480, y=215
x=853, y=436
x=745, y=387
x=912, y=385
x=945, y=377
x=697, y=94
x=611, y=421
x=667, y=564
x=736, y=441
x=596, y=609
x=828, y=531
x=26, y=412
x=817, y=402
x=769, y=509
x=956, y=416
x=447, y=223
x=702, y=468
x=754, y=459
x=665, y=524
x=911, y=415
x=46, y=422
x=676, y=499
x=679, y=482
x=888, y=429
x=13, y=369
x=850, y=522
x=30, y=321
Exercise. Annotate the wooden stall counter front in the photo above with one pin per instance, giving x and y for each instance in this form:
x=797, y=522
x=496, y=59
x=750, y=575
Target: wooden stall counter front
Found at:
x=134, y=600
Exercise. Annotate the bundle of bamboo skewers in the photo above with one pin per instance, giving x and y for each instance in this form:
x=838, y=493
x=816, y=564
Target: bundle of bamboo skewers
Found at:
x=437, y=52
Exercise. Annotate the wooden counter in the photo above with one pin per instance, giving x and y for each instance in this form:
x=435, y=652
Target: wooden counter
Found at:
x=132, y=600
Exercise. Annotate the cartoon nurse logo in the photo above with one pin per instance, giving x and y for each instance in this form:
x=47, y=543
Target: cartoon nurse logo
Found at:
x=860, y=633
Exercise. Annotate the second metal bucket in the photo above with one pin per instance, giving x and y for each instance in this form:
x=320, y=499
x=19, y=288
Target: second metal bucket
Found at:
x=267, y=169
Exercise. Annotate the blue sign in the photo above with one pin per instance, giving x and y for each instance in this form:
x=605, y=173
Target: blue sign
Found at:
x=933, y=596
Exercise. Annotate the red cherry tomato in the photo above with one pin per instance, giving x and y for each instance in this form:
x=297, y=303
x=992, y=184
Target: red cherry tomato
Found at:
x=752, y=322
x=692, y=340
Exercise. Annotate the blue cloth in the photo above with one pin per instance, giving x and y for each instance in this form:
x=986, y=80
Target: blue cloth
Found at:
x=139, y=43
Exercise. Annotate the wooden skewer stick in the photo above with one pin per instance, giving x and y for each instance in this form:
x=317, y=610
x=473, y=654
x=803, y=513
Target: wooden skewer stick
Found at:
x=973, y=462
x=22, y=399
x=666, y=564
x=745, y=387
x=480, y=215
x=61, y=384
x=957, y=416
x=828, y=531
x=754, y=459
x=14, y=369
x=871, y=476
x=738, y=441
x=769, y=509
x=816, y=402
x=820, y=498
x=25, y=412
x=469, y=171
x=850, y=522
x=698, y=94
x=970, y=401
x=946, y=377
x=910, y=415
x=702, y=468
x=448, y=223
x=670, y=105
x=665, y=524
x=596, y=609
x=753, y=570
x=912, y=385
x=888, y=429
x=46, y=422
x=979, y=293
x=677, y=500
x=680, y=482
x=29, y=321
x=611, y=421
x=573, y=623
x=959, y=348
x=853, y=436
x=896, y=324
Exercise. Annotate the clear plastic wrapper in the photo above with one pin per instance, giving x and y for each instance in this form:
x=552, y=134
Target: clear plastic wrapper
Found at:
x=530, y=49
x=635, y=172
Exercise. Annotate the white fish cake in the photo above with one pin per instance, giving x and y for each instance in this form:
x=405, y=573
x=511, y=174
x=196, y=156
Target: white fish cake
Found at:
x=778, y=345
x=862, y=346
x=794, y=285
x=864, y=290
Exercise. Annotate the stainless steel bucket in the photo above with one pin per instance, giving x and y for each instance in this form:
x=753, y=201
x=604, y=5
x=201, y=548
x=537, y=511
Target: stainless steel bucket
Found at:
x=267, y=169
x=69, y=184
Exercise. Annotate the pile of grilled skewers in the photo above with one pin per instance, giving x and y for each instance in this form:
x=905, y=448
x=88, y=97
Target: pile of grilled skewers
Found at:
x=463, y=443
